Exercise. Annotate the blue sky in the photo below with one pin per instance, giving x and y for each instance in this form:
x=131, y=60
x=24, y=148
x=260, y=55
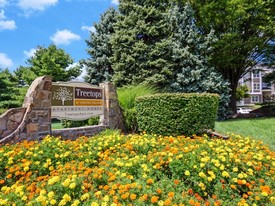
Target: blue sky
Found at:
x=26, y=24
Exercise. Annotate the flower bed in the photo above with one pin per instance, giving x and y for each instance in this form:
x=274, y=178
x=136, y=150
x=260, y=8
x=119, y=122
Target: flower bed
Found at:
x=137, y=170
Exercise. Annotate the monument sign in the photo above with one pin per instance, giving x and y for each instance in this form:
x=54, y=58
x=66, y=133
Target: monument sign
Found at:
x=76, y=100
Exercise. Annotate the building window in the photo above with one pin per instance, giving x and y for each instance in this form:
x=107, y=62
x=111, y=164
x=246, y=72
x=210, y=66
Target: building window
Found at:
x=256, y=86
x=255, y=99
x=256, y=74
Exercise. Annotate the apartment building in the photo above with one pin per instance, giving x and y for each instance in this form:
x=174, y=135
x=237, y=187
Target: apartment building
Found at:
x=259, y=91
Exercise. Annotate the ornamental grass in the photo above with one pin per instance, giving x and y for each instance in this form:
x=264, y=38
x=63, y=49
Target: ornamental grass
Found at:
x=143, y=169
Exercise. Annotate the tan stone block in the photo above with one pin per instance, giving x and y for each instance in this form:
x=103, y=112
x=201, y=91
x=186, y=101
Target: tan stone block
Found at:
x=32, y=127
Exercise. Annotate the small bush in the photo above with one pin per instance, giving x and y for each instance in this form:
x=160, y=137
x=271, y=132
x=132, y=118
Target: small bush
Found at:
x=88, y=122
x=178, y=113
x=126, y=97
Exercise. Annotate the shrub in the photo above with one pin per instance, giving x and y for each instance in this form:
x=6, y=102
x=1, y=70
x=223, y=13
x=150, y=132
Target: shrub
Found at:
x=88, y=122
x=176, y=114
x=126, y=97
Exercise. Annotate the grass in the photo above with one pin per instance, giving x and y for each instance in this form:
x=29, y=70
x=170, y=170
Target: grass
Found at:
x=57, y=125
x=262, y=129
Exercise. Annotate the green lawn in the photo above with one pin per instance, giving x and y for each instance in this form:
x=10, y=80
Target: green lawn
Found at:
x=57, y=125
x=260, y=129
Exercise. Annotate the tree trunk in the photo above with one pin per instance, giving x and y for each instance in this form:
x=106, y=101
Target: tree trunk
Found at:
x=233, y=98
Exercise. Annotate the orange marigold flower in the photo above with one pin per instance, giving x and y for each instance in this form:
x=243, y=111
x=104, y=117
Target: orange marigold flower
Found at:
x=266, y=189
x=261, y=180
x=245, y=196
x=176, y=182
x=125, y=195
x=106, y=187
x=144, y=197
x=250, y=193
x=171, y=194
x=150, y=181
x=167, y=202
x=133, y=196
x=9, y=176
x=2, y=182
x=159, y=191
x=154, y=199
x=190, y=191
x=214, y=197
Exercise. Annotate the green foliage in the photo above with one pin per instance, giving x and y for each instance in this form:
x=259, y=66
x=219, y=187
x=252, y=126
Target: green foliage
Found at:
x=192, y=73
x=242, y=92
x=88, y=122
x=177, y=114
x=244, y=31
x=141, y=44
x=10, y=90
x=126, y=97
x=99, y=68
x=49, y=61
x=160, y=44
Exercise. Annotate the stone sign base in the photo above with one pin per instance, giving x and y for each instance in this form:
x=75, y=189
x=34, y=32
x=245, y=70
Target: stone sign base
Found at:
x=33, y=120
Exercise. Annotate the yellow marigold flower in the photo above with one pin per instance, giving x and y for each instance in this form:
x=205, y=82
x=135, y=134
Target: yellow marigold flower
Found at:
x=187, y=173
x=84, y=197
x=240, y=176
x=76, y=203
x=66, y=183
x=106, y=198
x=53, y=180
x=50, y=195
x=67, y=197
x=265, y=194
x=72, y=185
x=3, y=202
x=94, y=204
x=53, y=202
x=272, y=199
x=202, y=175
x=225, y=174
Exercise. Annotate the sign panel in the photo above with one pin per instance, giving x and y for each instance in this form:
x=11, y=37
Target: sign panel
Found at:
x=76, y=100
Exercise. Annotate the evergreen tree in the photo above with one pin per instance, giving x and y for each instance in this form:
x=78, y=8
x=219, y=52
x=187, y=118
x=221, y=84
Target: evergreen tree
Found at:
x=190, y=51
x=98, y=66
x=9, y=90
x=141, y=44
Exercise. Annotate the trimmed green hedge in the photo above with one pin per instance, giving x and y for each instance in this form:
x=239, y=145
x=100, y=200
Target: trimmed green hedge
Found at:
x=177, y=113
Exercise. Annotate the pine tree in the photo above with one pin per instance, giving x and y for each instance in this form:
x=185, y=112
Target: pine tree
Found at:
x=141, y=44
x=192, y=73
x=98, y=66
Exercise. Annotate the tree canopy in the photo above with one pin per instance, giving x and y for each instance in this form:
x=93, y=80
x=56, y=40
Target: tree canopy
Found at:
x=244, y=30
x=157, y=43
x=49, y=61
x=98, y=66
x=10, y=90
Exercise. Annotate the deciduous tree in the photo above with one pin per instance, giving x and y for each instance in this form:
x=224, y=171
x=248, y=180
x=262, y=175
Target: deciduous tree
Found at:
x=49, y=61
x=244, y=31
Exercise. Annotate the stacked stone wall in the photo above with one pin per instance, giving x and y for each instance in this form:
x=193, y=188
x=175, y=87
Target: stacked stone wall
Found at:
x=33, y=120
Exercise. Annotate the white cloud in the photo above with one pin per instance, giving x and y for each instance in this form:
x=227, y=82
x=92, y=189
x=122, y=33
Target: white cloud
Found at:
x=30, y=53
x=116, y=2
x=5, y=61
x=88, y=28
x=36, y=4
x=6, y=24
x=64, y=37
x=3, y=3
